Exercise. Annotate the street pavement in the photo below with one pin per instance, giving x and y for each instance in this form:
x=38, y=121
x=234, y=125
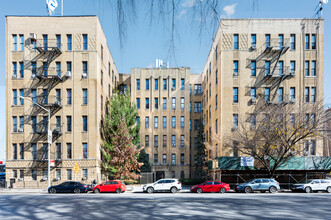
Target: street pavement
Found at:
x=183, y=205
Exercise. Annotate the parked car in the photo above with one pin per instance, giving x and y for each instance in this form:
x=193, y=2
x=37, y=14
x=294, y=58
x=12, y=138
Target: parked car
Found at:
x=172, y=185
x=262, y=185
x=211, y=186
x=309, y=186
x=69, y=187
x=110, y=186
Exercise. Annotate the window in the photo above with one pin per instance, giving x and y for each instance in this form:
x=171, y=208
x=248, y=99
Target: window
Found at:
x=34, y=69
x=292, y=119
x=190, y=124
x=58, y=41
x=164, y=84
x=21, y=174
x=312, y=147
x=58, y=69
x=147, y=84
x=307, y=94
x=182, y=102
x=84, y=41
x=58, y=122
x=21, y=42
x=280, y=40
x=14, y=96
x=138, y=120
x=164, y=140
x=45, y=41
x=313, y=94
x=292, y=67
x=292, y=42
x=292, y=94
x=164, y=124
x=267, y=67
x=14, y=42
x=85, y=150
x=14, y=69
x=164, y=103
x=173, y=140
x=182, y=84
x=173, y=159
x=182, y=121
x=307, y=42
x=253, y=68
x=156, y=158
x=173, y=121
x=156, y=82
x=216, y=126
x=253, y=40
x=101, y=81
x=84, y=96
x=313, y=41
x=58, y=174
x=147, y=103
x=236, y=41
x=138, y=103
x=235, y=68
x=69, y=174
x=14, y=124
x=45, y=151
x=235, y=121
x=34, y=124
x=216, y=76
x=313, y=68
x=14, y=151
x=45, y=96
x=156, y=121
x=209, y=90
x=280, y=68
x=101, y=53
x=21, y=124
x=216, y=102
x=197, y=107
x=69, y=42
x=267, y=94
x=34, y=174
x=164, y=159
x=68, y=150
x=146, y=140
x=21, y=70
x=68, y=123
x=216, y=52
x=84, y=69
x=68, y=96
x=147, y=122
x=197, y=89
x=280, y=94
x=138, y=84
x=84, y=123
x=34, y=151
x=173, y=103
x=58, y=151
x=156, y=103
x=173, y=83
x=182, y=140
x=182, y=163
x=156, y=140
x=22, y=151
x=267, y=40
x=235, y=95
x=196, y=124
x=69, y=66
x=14, y=173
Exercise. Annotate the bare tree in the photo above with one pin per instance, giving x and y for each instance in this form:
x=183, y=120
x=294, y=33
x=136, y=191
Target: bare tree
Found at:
x=274, y=134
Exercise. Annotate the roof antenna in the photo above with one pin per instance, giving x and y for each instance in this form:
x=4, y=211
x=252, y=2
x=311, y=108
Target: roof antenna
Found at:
x=319, y=8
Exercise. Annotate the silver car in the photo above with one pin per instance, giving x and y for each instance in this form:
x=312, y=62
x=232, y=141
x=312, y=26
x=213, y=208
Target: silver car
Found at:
x=309, y=186
x=172, y=185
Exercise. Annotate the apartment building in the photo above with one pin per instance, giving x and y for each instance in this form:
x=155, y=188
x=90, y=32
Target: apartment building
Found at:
x=274, y=61
x=165, y=108
x=63, y=65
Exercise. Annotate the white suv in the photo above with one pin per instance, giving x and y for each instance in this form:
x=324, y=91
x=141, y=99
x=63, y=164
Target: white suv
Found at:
x=172, y=185
x=312, y=185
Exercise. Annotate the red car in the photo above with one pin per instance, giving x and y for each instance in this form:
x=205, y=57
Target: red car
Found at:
x=110, y=186
x=211, y=186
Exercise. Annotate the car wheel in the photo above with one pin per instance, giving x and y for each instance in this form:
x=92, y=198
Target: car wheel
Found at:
x=199, y=190
x=222, y=190
x=248, y=189
x=308, y=190
x=118, y=190
x=273, y=189
x=328, y=189
x=77, y=190
x=52, y=190
x=150, y=190
x=173, y=189
x=97, y=191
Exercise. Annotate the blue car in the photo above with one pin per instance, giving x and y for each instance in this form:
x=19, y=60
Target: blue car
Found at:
x=262, y=185
x=69, y=187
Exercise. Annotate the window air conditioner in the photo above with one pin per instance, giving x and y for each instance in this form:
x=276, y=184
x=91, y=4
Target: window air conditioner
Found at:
x=84, y=178
x=173, y=88
x=84, y=76
x=14, y=76
x=21, y=179
x=21, y=130
x=44, y=178
x=68, y=74
x=253, y=100
x=33, y=36
x=57, y=178
x=253, y=47
x=57, y=102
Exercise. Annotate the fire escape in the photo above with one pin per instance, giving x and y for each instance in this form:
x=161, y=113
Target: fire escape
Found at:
x=43, y=80
x=270, y=72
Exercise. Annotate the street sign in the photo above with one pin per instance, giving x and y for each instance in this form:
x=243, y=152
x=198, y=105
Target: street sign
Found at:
x=247, y=161
x=50, y=136
x=76, y=168
x=52, y=163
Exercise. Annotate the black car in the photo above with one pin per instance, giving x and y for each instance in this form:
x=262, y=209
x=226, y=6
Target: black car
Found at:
x=69, y=187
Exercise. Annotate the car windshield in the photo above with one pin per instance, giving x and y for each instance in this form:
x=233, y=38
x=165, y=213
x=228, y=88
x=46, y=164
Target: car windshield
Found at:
x=250, y=181
x=305, y=181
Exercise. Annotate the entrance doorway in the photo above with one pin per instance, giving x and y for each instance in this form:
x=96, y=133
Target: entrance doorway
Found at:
x=159, y=175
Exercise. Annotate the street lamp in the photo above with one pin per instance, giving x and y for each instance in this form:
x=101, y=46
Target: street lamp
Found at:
x=49, y=134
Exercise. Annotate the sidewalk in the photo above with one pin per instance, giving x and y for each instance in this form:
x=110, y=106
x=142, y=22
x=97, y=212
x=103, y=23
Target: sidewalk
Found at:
x=6, y=190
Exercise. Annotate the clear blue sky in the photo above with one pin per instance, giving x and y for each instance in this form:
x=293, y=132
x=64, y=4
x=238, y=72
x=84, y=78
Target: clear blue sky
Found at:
x=144, y=43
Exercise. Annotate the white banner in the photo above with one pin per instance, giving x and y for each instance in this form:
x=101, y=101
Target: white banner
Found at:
x=247, y=161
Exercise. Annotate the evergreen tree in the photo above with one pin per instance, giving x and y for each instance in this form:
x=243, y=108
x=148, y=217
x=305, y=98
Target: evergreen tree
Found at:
x=143, y=158
x=200, y=162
